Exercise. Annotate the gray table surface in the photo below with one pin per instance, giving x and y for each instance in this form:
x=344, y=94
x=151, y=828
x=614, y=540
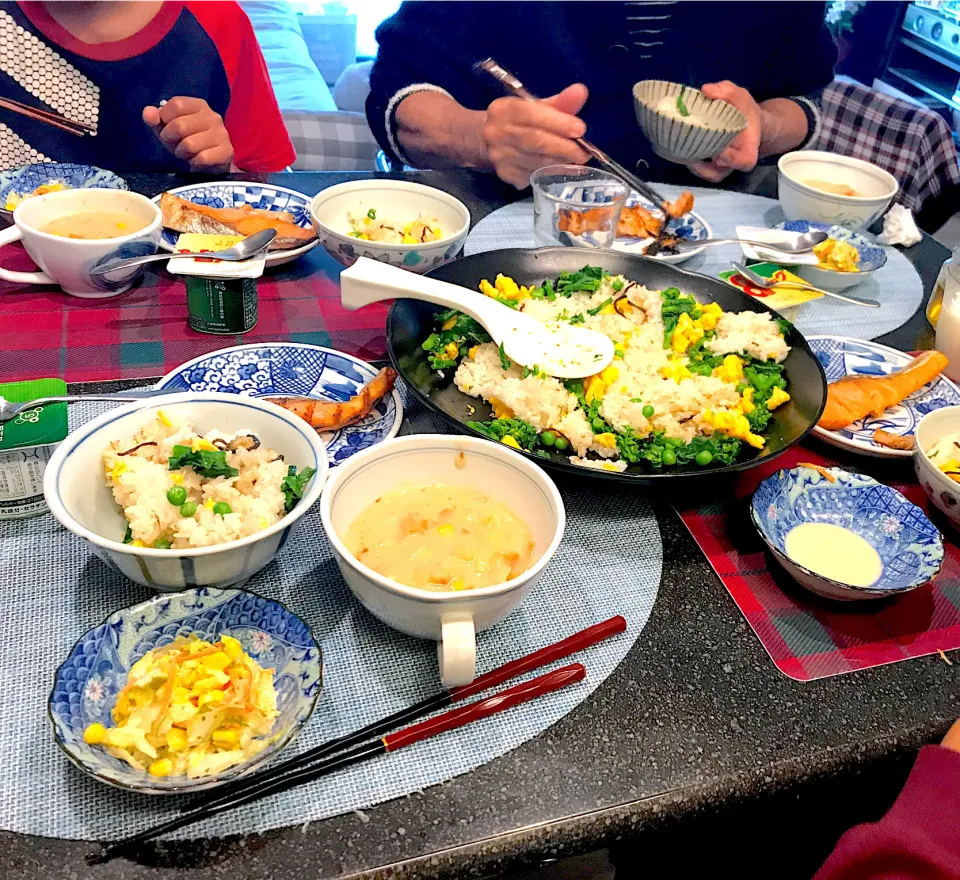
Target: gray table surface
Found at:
x=696, y=722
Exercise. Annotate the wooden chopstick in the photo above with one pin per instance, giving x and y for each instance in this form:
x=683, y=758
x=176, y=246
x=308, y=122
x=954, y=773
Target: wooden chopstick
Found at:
x=446, y=721
x=40, y=115
x=495, y=677
x=513, y=86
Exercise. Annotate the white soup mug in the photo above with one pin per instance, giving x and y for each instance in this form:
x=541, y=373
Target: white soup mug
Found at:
x=453, y=618
x=67, y=261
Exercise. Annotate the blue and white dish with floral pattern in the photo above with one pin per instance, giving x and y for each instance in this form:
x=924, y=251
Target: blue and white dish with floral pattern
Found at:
x=263, y=196
x=690, y=226
x=290, y=369
x=87, y=683
x=871, y=256
x=909, y=545
x=26, y=179
x=842, y=356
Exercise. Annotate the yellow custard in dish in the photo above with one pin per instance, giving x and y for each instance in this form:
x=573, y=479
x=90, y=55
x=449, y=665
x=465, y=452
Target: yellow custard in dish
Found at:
x=441, y=538
x=834, y=552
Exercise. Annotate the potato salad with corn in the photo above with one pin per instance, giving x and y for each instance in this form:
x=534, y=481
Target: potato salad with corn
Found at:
x=190, y=708
x=690, y=384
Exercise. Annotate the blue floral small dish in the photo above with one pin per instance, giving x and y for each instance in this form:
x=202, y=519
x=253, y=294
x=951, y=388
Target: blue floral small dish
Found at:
x=234, y=194
x=87, y=683
x=842, y=356
x=909, y=545
x=690, y=226
x=26, y=179
x=871, y=256
x=278, y=369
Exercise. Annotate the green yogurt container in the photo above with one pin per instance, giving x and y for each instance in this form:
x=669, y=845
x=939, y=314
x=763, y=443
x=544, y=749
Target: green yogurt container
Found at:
x=26, y=444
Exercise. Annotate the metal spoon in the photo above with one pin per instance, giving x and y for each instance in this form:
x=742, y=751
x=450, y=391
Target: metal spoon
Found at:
x=767, y=284
x=250, y=247
x=9, y=409
x=802, y=244
x=556, y=347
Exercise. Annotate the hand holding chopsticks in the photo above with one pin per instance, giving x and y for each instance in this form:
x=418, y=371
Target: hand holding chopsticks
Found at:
x=357, y=746
x=512, y=86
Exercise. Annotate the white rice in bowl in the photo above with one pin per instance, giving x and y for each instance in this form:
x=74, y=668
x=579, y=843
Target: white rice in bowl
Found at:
x=180, y=490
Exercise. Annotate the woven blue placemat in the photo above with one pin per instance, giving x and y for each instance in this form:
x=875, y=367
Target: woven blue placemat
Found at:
x=54, y=589
x=896, y=286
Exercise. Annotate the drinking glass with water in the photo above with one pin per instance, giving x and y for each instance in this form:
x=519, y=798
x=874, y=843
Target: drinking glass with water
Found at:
x=576, y=206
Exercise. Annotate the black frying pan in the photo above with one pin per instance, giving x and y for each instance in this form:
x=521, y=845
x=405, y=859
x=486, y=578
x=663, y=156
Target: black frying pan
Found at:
x=411, y=321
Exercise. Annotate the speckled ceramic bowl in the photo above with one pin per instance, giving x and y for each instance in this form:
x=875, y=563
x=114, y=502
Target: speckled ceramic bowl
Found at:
x=87, y=683
x=909, y=545
x=704, y=134
x=398, y=200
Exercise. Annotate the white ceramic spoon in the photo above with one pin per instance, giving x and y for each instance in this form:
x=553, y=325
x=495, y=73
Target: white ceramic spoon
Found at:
x=557, y=348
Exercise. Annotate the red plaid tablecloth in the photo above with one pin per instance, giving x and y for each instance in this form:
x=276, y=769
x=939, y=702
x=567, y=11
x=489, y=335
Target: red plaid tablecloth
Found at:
x=808, y=637
x=144, y=332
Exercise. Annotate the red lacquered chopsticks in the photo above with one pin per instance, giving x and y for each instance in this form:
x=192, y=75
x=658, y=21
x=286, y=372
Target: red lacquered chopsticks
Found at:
x=557, y=651
x=451, y=720
x=47, y=117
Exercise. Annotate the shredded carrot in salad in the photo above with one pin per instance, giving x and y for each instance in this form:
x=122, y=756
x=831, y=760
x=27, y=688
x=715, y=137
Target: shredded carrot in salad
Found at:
x=190, y=708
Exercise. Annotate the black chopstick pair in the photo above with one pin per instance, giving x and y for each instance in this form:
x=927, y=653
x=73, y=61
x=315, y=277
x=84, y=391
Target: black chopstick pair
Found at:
x=351, y=749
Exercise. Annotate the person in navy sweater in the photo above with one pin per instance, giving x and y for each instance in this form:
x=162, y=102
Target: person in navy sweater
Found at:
x=167, y=86
x=429, y=109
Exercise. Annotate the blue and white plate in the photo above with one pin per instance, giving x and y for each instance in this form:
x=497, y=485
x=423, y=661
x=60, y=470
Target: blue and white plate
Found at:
x=27, y=178
x=872, y=256
x=690, y=226
x=291, y=369
x=233, y=194
x=909, y=545
x=87, y=683
x=842, y=356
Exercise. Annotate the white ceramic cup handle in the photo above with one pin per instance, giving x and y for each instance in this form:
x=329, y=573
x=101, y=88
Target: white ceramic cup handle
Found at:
x=8, y=236
x=457, y=651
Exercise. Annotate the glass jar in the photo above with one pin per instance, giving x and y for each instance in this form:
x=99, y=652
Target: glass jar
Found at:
x=949, y=277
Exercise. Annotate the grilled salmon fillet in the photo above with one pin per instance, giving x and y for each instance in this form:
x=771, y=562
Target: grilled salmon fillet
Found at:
x=183, y=216
x=853, y=397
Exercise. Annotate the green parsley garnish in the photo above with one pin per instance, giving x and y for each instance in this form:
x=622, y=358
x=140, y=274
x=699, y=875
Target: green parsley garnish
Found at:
x=293, y=486
x=505, y=362
x=681, y=107
x=206, y=462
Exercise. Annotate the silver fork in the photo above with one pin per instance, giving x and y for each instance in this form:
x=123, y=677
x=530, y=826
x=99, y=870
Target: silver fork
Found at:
x=10, y=410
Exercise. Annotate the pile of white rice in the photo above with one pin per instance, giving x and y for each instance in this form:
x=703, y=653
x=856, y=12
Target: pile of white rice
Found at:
x=140, y=481
x=679, y=403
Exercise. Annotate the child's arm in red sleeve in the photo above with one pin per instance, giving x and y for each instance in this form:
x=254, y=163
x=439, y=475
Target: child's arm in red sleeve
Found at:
x=919, y=837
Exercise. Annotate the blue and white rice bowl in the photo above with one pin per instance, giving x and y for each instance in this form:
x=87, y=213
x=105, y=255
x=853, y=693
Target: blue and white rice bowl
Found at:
x=682, y=139
x=279, y=369
x=87, y=683
x=26, y=179
x=235, y=194
x=909, y=545
x=79, y=497
x=871, y=256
